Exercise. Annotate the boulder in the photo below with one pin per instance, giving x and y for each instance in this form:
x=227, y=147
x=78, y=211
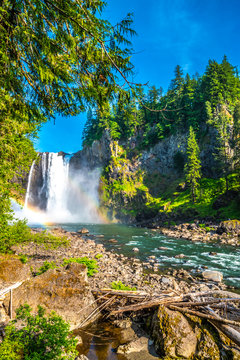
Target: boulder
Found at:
x=13, y=270
x=216, y=276
x=173, y=335
x=65, y=291
x=229, y=226
x=137, y=345
x=135, y=249
x=83, y=231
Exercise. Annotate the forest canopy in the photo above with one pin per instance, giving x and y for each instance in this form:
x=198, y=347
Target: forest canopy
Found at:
x=154, y=115
x=55, y=57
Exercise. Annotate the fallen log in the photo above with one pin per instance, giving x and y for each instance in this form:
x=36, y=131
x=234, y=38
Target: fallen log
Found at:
x=146, y=305
x=227, y=330
x=204, y=303
x=202, y=315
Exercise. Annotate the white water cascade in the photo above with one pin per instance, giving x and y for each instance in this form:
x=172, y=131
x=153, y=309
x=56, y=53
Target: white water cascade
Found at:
x=56, y=194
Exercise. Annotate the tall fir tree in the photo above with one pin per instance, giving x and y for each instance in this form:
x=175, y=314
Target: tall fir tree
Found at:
x=236, y=137
x=193, y=165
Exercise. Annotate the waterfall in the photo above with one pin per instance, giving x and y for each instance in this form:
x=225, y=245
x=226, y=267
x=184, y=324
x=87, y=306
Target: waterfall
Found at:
x=59, y=195
x=29, y=185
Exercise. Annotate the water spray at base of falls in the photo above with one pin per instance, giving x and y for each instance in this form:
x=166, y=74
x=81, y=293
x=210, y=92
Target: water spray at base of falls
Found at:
x=57, y=193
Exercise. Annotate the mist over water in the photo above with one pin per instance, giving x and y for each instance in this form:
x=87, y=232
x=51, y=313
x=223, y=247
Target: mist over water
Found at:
x=57, y=194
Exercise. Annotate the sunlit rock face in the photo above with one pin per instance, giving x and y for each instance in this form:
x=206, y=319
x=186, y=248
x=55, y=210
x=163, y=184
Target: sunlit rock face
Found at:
x=94, y=156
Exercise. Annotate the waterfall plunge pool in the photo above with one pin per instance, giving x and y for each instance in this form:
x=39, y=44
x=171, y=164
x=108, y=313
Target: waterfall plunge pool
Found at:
x=227, y=259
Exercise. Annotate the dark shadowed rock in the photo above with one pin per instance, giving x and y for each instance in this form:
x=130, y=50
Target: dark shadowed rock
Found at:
x=229, y=226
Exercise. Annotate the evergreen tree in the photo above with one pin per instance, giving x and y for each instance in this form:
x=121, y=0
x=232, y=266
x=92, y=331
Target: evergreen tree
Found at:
x=193, y=165
x=236, y=137
x=222, y=121
x=55, y=57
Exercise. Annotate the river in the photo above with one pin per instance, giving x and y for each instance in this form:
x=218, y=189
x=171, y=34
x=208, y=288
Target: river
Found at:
x=226, y=260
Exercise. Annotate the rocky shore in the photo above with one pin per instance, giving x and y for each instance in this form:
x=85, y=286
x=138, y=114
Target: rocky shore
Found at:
x=227, y=232
x=69, y=291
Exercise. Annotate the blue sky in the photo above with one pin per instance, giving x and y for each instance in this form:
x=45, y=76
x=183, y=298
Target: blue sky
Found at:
x=170, y=32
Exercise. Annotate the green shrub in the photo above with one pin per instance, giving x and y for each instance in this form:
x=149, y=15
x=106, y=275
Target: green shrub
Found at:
x=91, y=264
x=19, y=233
x=37, y=337
x=23, y=258
x=46, y=266
x=98, y=256
x=118, y=285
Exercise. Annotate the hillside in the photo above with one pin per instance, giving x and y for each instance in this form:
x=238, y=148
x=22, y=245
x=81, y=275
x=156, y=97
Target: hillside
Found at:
x=143, y=145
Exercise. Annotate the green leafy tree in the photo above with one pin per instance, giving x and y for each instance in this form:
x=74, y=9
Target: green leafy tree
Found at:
x=37, y=337
x=56, y=57
x=193, y=165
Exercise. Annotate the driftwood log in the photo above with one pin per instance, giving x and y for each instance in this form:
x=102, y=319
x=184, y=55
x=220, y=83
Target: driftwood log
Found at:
x=116, y=302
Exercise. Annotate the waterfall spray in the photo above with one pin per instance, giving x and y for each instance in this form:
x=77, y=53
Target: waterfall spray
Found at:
x=63, y=196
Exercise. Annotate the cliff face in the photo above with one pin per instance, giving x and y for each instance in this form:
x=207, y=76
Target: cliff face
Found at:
x=96, y=155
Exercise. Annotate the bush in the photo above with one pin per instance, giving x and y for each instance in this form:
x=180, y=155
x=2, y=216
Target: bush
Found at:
x=91, y=265
x=118, y=285
x=37, y=337
x=18, y=233
x=45, y=267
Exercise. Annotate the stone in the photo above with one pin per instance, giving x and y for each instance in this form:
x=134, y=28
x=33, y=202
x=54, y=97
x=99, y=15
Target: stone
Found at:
x=13, y=270
x=83, y=231
x=82, y=357
x=65, y=291
x=135, y=249
x=126, y=335
x=173, y=336
x=229, y=226
x=216, y=276
x=180, y=256
x=212, y=253
x=113, y=241
x=140, y=344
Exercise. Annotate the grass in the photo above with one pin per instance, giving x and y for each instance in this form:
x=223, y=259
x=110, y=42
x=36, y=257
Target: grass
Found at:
x=209, y=190
x=118, y=285
x=91, y=264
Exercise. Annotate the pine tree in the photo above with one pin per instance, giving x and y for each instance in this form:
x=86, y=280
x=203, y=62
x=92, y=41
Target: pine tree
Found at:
x=193, y=166
x=236, y=137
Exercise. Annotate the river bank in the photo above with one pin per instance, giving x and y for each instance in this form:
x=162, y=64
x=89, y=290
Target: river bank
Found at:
x=68, y=290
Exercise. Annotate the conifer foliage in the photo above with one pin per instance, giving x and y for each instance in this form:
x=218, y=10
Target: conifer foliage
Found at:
x=193, y=165
x=55, y=57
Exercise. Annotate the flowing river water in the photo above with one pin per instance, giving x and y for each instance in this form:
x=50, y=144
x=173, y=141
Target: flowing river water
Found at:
x=149, y=242
x=101, y=340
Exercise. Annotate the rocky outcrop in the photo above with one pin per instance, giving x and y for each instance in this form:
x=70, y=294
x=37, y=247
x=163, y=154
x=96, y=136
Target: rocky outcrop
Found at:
x=94, y=156
x=64, y=290
x=178, y=336
x=229, y=226
x=160, y=157
x=12, y=270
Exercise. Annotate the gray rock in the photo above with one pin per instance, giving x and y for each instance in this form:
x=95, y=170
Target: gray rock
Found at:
x=135, y=249
x=140, y=344
x=216, y=276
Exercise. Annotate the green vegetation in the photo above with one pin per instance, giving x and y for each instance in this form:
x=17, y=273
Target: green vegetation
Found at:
x=55, y=58
x=20, y=233
x=208, y=107
x=23, y=258
x=193, y=164
x=91, y=264
x=37, y=337
x=118, y=285
x=46, y=266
